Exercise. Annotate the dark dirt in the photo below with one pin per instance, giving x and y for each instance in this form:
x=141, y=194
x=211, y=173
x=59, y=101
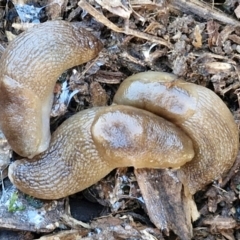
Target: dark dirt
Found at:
x=198, y=41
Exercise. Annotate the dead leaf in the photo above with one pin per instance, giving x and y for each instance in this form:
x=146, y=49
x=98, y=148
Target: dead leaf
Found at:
x=99, y=96
x=212, y=30
x=116, y=7
x=237, y=11
x=217, y=67
x=221, y=223
x=197, y=42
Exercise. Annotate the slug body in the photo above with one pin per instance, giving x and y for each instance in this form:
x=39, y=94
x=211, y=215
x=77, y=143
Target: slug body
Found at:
x=196, y=134
x=89, y=145
x=198, y=111
x=29, y=69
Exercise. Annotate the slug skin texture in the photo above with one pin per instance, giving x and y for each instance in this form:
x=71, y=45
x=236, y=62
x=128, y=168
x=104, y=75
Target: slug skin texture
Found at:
x=29, y=69
x=158, y=120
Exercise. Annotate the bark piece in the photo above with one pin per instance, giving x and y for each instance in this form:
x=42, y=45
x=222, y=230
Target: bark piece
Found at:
x=202, y=10
x=166, y=204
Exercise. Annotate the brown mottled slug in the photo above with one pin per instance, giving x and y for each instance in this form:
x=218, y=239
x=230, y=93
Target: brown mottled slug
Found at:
x=157, y=120
x=196, y=134
x=29, y=69
x=93, y=142
x=198, y=111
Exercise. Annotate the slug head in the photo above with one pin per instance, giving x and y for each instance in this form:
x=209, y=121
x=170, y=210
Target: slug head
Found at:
x=86, y=46
x=21, y=118
x=160, y=93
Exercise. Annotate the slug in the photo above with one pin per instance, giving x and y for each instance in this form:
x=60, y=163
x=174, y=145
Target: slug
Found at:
x=198, y=111
x=157, y=121
x=29, y=69
x=93, y=142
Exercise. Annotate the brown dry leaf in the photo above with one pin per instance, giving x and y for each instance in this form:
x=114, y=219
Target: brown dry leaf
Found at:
x=221, y=223
x=212, y=30
x=99, y=96
x=235, y=38
x=217, y=67
x=151, y=11
x=197, y=42
x=55, y=8
x=109, y=77
x=237, y=11
x=223, y=35
x=101, y=18
x=153, y=27
x=116, y=7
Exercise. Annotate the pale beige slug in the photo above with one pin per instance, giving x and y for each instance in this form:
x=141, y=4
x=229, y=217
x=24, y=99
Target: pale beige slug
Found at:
x=90, y=144
x=194, y=130
x=198, y=111
x=29, y=69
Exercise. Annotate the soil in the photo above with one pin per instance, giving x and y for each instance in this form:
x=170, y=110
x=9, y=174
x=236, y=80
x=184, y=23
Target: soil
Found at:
x=196, y=40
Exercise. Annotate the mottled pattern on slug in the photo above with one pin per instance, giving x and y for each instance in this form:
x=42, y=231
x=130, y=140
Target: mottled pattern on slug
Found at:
x=127, y=136
x=215, y=137
x=71, y=163
x=89, y=145
x=198, y=136
x=200, y=113
x=29, y=68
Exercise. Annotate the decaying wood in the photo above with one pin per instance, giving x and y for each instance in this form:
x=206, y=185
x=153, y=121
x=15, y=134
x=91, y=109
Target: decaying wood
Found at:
x=202, y=10
x=108, y=228
x=101, y=18
x=167, y=206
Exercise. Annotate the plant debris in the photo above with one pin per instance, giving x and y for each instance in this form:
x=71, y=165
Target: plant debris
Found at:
x=196, y=40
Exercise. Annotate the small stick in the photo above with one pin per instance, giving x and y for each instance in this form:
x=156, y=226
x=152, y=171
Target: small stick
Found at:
x=101, y=18
x=202, y=10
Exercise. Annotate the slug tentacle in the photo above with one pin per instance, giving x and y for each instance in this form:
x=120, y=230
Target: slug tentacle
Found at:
x=34, y=60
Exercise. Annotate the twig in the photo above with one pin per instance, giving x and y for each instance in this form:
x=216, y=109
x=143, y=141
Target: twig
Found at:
x=101, y=18
x=202, y=10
